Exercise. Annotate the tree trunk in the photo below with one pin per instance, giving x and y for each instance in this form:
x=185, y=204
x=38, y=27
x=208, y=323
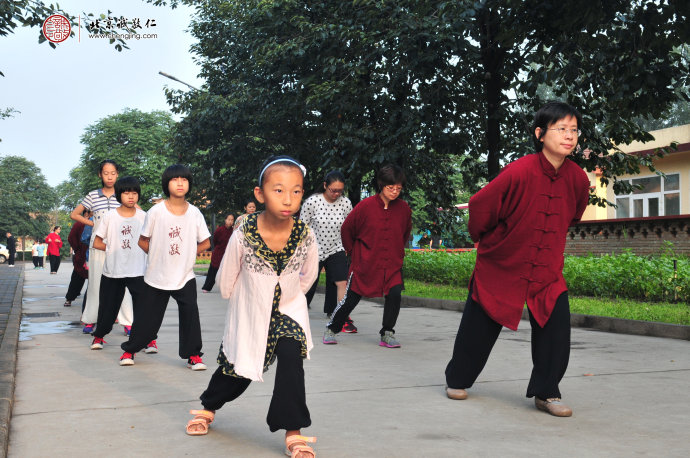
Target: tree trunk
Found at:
x=355, y=187
x=492, y=61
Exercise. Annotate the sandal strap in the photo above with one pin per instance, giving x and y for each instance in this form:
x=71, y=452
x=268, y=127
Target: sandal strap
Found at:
x=296, y=449
x=206, y=415
x=297, y=439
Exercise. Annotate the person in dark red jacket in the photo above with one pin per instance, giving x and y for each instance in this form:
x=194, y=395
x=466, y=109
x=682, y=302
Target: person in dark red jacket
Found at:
x=220, y=242
x=54, y=244
x=80, y=273
x=521, y=220
x=374, y=236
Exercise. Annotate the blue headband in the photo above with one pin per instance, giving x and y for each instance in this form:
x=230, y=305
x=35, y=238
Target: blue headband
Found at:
x=301, y=167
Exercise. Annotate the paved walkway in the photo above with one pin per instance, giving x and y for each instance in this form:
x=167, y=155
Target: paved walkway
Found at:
x=629, y=393
x=11, y=280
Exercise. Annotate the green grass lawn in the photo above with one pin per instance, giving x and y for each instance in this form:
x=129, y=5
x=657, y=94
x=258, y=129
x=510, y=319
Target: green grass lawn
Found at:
x=664, y=312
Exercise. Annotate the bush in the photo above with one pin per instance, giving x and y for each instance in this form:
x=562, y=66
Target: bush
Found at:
x=453, y=268
x=626, y=275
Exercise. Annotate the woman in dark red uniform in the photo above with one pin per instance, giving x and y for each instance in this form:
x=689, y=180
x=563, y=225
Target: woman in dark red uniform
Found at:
x=374, y=236
x=220, y=241
x=521, y=220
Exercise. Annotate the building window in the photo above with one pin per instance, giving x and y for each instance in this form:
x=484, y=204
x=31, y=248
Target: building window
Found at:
x=658, y=196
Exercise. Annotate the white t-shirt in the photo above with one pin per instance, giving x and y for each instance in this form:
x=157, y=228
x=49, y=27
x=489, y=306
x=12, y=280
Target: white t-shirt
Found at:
x=326, y=219
x=172, y=248
x=123, y=256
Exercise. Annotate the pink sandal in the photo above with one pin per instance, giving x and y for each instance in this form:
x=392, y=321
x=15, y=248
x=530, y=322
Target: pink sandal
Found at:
x=296, y=444
x=201, y=418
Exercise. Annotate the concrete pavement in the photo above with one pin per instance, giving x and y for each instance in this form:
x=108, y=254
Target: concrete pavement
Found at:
x=629, y=393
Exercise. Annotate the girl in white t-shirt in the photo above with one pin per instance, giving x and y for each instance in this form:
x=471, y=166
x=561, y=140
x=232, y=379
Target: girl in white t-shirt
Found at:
x=270, y=262
x=173, y=234
x=125, y=261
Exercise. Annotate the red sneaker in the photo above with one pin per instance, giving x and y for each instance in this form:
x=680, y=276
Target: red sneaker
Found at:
x=127, y=359
x=195, y=363
x=97, y=343
x=151, y=347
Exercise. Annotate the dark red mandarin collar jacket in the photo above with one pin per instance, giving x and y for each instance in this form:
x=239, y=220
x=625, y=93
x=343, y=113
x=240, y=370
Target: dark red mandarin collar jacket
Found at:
x=521, y=220
x=375, y=239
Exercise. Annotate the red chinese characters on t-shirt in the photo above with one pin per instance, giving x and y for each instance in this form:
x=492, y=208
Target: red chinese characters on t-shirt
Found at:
x=174, y=236
x=126, y=230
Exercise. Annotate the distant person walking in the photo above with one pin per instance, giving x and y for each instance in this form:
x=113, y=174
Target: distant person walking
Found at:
x=374, y=235
x=41, y=252
x=34, y=254
x=11, y=248
x=220, y=242
x=54, y=244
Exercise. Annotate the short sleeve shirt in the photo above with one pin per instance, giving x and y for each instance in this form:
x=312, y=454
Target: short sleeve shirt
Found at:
x=123, y=256
x=325, y=219
x=172, y=245
x=99, y=205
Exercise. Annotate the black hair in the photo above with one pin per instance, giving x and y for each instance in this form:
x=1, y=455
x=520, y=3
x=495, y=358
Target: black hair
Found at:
x=550, y=113
x=102, y=164
x=175, y=171
x=126, y=184
x=56, y=228
x=287, y=161
x=390, y=174
x=107, y=161
x=333, y=176
x=249, y=201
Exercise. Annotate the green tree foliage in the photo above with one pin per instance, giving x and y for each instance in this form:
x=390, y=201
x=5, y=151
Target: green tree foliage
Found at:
x=354, y=84
x=25, y=198
x=330, y=83
x=137, y=141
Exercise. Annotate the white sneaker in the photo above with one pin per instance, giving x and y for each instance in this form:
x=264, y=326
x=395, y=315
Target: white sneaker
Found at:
x=195, y=363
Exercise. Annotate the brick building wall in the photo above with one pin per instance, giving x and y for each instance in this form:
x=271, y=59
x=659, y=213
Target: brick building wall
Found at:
x=644, y=236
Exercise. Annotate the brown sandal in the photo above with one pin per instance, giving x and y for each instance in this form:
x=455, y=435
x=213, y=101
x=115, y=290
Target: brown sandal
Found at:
x=201, y=418
x=296, y=444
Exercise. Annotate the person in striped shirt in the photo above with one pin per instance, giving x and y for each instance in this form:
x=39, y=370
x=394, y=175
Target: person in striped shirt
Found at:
x=100, y=202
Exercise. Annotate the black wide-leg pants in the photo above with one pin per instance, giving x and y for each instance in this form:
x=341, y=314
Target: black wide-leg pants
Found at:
x=288, y=409
x=54, y=262
x=478, y=334
x=210, y=278
x=148, y=318
x=111, y=293
x=76, y=283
